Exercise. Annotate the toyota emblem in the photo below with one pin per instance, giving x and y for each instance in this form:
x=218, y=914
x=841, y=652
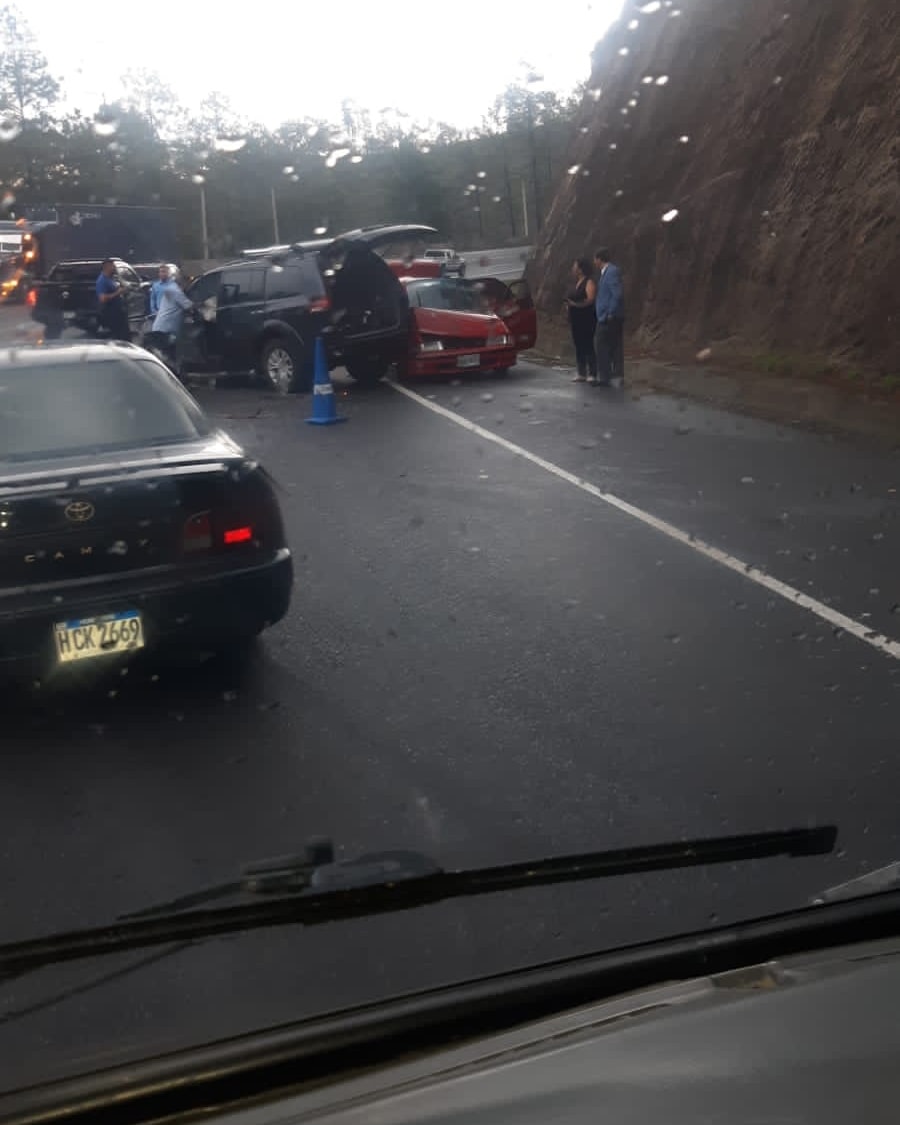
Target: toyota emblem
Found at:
x=79, y=511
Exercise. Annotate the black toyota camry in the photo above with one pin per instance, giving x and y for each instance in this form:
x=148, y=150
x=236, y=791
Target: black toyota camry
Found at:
x=127, y=520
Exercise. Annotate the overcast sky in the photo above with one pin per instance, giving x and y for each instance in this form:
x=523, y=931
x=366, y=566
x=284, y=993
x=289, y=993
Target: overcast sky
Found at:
x=431, y=59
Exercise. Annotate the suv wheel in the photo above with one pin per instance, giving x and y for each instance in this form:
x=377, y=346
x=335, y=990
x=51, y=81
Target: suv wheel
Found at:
x=281, y=364
x=367, y=372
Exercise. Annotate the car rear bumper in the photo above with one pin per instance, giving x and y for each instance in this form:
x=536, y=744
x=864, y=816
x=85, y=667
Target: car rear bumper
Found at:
x=447, y=363
x=193, y=610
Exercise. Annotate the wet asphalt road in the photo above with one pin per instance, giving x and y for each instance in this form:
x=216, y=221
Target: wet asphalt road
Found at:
x=486, y=663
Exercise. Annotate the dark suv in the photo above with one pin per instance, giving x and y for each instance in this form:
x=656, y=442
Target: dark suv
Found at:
x=264, y=311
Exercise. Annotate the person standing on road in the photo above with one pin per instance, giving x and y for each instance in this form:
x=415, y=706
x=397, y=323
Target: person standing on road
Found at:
x=112, y=314
x=583, y=320
x=609, y=336
x=156, y=289
x=173, y=304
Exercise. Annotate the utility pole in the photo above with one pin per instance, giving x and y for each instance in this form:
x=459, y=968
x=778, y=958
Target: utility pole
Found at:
x=204, y=231
x=524, y=208
x=275, y=217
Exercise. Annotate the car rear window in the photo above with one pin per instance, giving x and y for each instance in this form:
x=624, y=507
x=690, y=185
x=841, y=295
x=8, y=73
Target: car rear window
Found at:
x=76, y=271
x=65, y=408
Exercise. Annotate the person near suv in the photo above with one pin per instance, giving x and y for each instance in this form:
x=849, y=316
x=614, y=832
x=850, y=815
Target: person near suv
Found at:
x=171, y=304
x=113, y=313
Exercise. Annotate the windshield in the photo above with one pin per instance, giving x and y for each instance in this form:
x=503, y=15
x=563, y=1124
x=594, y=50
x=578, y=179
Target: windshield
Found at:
x=75, y=271
x=65, y=408
x=303, y=544
x=443, y=295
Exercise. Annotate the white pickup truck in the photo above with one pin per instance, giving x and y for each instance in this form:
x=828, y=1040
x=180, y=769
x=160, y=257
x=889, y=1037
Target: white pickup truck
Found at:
x=451, y=262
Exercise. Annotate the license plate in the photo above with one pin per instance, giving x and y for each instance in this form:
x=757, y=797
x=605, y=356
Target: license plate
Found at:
x=90, y=637
x=468, y=361
x=68, y=316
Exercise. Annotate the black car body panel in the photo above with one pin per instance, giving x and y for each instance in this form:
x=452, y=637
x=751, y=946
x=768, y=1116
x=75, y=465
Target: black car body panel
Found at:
x=187, y=533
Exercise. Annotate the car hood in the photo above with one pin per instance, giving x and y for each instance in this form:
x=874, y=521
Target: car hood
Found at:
x=449, y=322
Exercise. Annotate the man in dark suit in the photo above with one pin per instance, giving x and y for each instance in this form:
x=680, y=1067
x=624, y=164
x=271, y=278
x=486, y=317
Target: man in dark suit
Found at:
x=609, y=336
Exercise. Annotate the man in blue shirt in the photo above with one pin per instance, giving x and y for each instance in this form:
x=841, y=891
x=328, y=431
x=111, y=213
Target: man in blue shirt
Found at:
x=112, y=313
x=609, y=335
x=156, y=288
x=173, y=304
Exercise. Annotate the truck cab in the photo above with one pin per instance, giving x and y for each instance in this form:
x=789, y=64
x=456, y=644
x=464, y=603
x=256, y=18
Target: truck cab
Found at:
x=450, y=262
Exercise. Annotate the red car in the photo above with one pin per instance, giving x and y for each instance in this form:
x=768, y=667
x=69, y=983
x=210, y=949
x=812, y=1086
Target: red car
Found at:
x=445, y=338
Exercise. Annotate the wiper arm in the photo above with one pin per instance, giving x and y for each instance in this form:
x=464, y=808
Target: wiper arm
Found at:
x=313, y=889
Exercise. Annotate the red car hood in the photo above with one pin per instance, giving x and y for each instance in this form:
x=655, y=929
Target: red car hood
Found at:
x=448, y=322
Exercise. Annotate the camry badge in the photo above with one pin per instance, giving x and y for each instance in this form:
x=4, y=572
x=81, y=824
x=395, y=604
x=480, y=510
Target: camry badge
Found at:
x=79, y=511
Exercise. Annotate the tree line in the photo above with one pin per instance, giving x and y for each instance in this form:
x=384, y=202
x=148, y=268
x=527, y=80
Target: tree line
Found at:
x=485, y=186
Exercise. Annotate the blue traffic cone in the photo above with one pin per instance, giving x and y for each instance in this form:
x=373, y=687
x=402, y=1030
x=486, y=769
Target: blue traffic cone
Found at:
x=324, y=407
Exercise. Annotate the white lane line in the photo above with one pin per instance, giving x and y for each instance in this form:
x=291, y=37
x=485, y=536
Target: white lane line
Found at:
x=855, y=628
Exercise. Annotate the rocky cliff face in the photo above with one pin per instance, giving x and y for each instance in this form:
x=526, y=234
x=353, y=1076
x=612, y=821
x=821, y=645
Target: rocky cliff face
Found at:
x=772, y=127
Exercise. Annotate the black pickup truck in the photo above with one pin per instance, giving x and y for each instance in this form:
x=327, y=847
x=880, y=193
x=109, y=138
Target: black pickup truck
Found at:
x=67, y=297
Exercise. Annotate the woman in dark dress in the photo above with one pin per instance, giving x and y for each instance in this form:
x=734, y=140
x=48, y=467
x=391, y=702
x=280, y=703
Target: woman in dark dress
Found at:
x=583, y=320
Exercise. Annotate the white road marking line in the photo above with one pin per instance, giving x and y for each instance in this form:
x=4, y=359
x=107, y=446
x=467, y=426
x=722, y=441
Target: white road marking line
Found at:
x=839, y=620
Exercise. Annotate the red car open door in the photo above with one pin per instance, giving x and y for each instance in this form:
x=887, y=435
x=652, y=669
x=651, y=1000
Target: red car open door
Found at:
x=513, y=304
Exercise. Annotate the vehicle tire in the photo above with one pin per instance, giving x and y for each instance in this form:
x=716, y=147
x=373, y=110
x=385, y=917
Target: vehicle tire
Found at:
x=367, y=372
x=462, y=271
x=282, y=365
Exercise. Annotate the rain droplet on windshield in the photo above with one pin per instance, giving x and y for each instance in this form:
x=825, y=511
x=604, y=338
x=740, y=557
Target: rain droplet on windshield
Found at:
x=653, y=6
x=288, y=169
x=633, y=25
x=7, y=201
x=105, y=124
x=9, y=129
x=229, y=144
x=320, y=230
x=683, y=139
x=574, y=169
x=198, y=179
x=624, y=51
x=670, y=215
x=662, y=80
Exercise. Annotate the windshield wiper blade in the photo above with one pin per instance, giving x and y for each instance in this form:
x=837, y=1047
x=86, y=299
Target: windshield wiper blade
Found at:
x=313, y=889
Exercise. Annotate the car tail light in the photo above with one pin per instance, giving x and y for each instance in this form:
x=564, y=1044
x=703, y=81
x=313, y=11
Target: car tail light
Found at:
x=319, y=304
x=31, y=298
x=499, y=341
x=237, y=535
x=198, y=532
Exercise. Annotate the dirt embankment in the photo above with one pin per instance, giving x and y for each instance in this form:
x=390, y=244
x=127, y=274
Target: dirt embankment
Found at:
x=771, y=127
